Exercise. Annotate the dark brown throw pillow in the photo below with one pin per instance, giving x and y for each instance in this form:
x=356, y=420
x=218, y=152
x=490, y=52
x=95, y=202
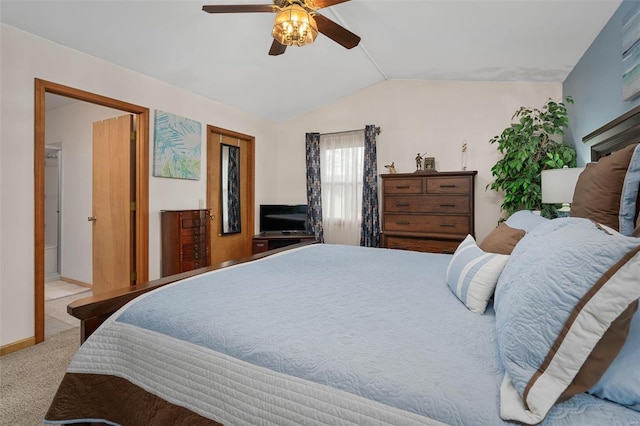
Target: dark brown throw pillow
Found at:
x=599, y=188
x=502, y=240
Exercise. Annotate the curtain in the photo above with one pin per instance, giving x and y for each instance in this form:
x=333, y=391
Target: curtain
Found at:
x=314, y=196
x=370, y=229
x=342, y=163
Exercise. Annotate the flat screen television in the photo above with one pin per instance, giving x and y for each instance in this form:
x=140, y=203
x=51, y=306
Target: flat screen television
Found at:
x=286, y=218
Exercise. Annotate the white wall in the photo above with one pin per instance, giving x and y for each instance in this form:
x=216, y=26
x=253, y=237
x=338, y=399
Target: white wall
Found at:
x=432, y=117
x=71, y=127
x=24, y=57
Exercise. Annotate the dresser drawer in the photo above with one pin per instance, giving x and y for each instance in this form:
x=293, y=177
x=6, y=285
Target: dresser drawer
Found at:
x=448, y=185
x=427, y=204
x=193, y=255
x=186, y=232
x=403, y=186
x=422, y=244
x=192, y=222
x=260, y=245
x=189, y=249
x=192, y=264
x=421, y=223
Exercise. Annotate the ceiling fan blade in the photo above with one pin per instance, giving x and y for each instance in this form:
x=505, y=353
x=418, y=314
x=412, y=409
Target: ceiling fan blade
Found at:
x=336, y=32
x=326, y=3
x=277, y=48
x=239, y=8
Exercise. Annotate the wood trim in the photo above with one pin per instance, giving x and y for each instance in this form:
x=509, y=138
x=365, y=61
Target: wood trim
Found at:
x=76, y=282
x=17, y=346
x=94, y=310
x=615, y=135
x=42, y=87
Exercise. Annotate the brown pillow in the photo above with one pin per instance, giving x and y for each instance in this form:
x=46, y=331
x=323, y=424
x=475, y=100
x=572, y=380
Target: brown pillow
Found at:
x=502, y=240
x=599, y=188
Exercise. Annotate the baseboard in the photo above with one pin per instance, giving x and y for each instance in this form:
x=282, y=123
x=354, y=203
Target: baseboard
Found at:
x=17, y=346
x=76, y=282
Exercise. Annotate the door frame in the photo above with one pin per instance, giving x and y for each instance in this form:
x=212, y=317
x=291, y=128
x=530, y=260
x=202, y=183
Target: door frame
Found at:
x=213, y=170
x=42, y=87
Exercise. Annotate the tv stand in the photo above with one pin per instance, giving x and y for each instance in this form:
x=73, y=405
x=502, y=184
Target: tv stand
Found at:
x=272, y=240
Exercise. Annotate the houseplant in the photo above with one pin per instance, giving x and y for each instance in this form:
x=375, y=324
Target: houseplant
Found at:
x=531, y=144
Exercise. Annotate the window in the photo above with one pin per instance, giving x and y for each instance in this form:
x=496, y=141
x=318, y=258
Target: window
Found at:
x=341, y=175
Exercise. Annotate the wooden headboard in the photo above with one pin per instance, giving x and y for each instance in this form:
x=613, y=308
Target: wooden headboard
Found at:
x=615, y=135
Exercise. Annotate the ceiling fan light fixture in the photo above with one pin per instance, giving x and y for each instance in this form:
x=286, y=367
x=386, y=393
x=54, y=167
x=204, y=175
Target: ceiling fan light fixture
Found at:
x=294, y=26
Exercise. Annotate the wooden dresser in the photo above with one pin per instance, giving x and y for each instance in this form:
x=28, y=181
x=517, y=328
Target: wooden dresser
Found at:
x=185, y=240
x=429, y=212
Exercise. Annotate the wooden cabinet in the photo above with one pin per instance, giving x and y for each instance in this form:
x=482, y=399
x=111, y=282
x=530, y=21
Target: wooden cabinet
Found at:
x=429, y=212
x=273, y=240
x=185, y=240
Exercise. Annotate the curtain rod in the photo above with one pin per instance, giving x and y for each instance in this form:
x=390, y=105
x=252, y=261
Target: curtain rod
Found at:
x=377, y=129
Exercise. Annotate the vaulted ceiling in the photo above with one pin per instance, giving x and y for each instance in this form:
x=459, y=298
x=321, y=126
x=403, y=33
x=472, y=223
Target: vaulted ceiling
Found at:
x=224, y=56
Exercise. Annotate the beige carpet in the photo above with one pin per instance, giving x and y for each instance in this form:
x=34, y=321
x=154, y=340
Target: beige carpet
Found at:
x=29, y=378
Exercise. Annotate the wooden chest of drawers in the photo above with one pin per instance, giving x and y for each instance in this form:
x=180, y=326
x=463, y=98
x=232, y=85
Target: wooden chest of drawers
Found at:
x=185, y=240
x=430, y=212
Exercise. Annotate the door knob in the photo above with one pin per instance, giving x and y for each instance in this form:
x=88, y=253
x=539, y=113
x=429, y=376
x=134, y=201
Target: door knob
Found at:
x=91, y=219
x=212, y=217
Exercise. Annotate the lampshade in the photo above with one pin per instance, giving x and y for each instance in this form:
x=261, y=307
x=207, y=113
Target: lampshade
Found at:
x=294, y=26
x=558, y=186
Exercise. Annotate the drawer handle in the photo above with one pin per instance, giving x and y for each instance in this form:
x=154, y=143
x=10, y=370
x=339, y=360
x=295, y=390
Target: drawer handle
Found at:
x=404, y=222
x=403, y=204
x=195, y=247
x=197, y=265
x=447, y=205
x=403, y=187
x=447, y=186
x=196, y=238
x=196, y=222
x=196, y=255
x=259, y=244
x=447, y=225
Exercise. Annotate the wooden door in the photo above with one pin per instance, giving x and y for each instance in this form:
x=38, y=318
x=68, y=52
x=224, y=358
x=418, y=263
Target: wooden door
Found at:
x=225, y=247
x=112, y=215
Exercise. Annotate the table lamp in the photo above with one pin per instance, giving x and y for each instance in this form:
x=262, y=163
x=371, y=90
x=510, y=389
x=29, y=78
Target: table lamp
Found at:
x=558, y=186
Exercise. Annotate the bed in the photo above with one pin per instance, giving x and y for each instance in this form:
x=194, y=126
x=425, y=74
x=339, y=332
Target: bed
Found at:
x=537, y=323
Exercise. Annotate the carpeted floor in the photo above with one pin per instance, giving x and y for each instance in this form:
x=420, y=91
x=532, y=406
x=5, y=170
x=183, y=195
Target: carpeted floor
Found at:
x=29, y=378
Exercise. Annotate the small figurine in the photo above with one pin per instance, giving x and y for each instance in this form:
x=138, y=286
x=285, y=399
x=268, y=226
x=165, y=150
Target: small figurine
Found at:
x=418, y=162
x=391, y=167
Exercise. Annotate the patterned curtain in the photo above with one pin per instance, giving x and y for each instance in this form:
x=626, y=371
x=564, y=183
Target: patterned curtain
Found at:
x=314, y=195
x=234, y=190
x=370, y=234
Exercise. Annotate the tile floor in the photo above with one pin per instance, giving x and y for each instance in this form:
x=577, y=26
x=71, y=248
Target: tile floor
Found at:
x=57, y=295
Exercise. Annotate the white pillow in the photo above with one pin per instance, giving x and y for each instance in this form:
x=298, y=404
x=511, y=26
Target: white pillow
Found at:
x=472, y=274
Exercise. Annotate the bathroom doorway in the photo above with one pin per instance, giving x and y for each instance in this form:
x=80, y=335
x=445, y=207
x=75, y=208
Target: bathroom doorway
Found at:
x=52, y=211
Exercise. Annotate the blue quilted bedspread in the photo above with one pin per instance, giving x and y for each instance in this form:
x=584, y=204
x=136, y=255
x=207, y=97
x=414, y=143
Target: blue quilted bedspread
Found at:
x=381, y=324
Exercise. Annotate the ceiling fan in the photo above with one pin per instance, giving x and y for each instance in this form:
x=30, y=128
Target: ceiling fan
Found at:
x=297, y=22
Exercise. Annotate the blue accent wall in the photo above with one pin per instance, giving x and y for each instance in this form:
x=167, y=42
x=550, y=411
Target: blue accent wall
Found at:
x=596, y=84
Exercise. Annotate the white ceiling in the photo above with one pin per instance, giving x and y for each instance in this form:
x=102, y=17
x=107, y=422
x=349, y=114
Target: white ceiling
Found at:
x=224, y=56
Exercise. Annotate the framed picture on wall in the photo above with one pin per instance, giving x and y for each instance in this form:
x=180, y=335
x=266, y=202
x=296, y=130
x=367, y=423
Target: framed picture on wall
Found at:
x=177, y=147
x=631, y=54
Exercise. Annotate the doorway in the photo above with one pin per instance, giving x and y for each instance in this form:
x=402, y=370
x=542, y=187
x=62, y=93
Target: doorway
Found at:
x=230, y=245
x=140, y=236
x=52, y=211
